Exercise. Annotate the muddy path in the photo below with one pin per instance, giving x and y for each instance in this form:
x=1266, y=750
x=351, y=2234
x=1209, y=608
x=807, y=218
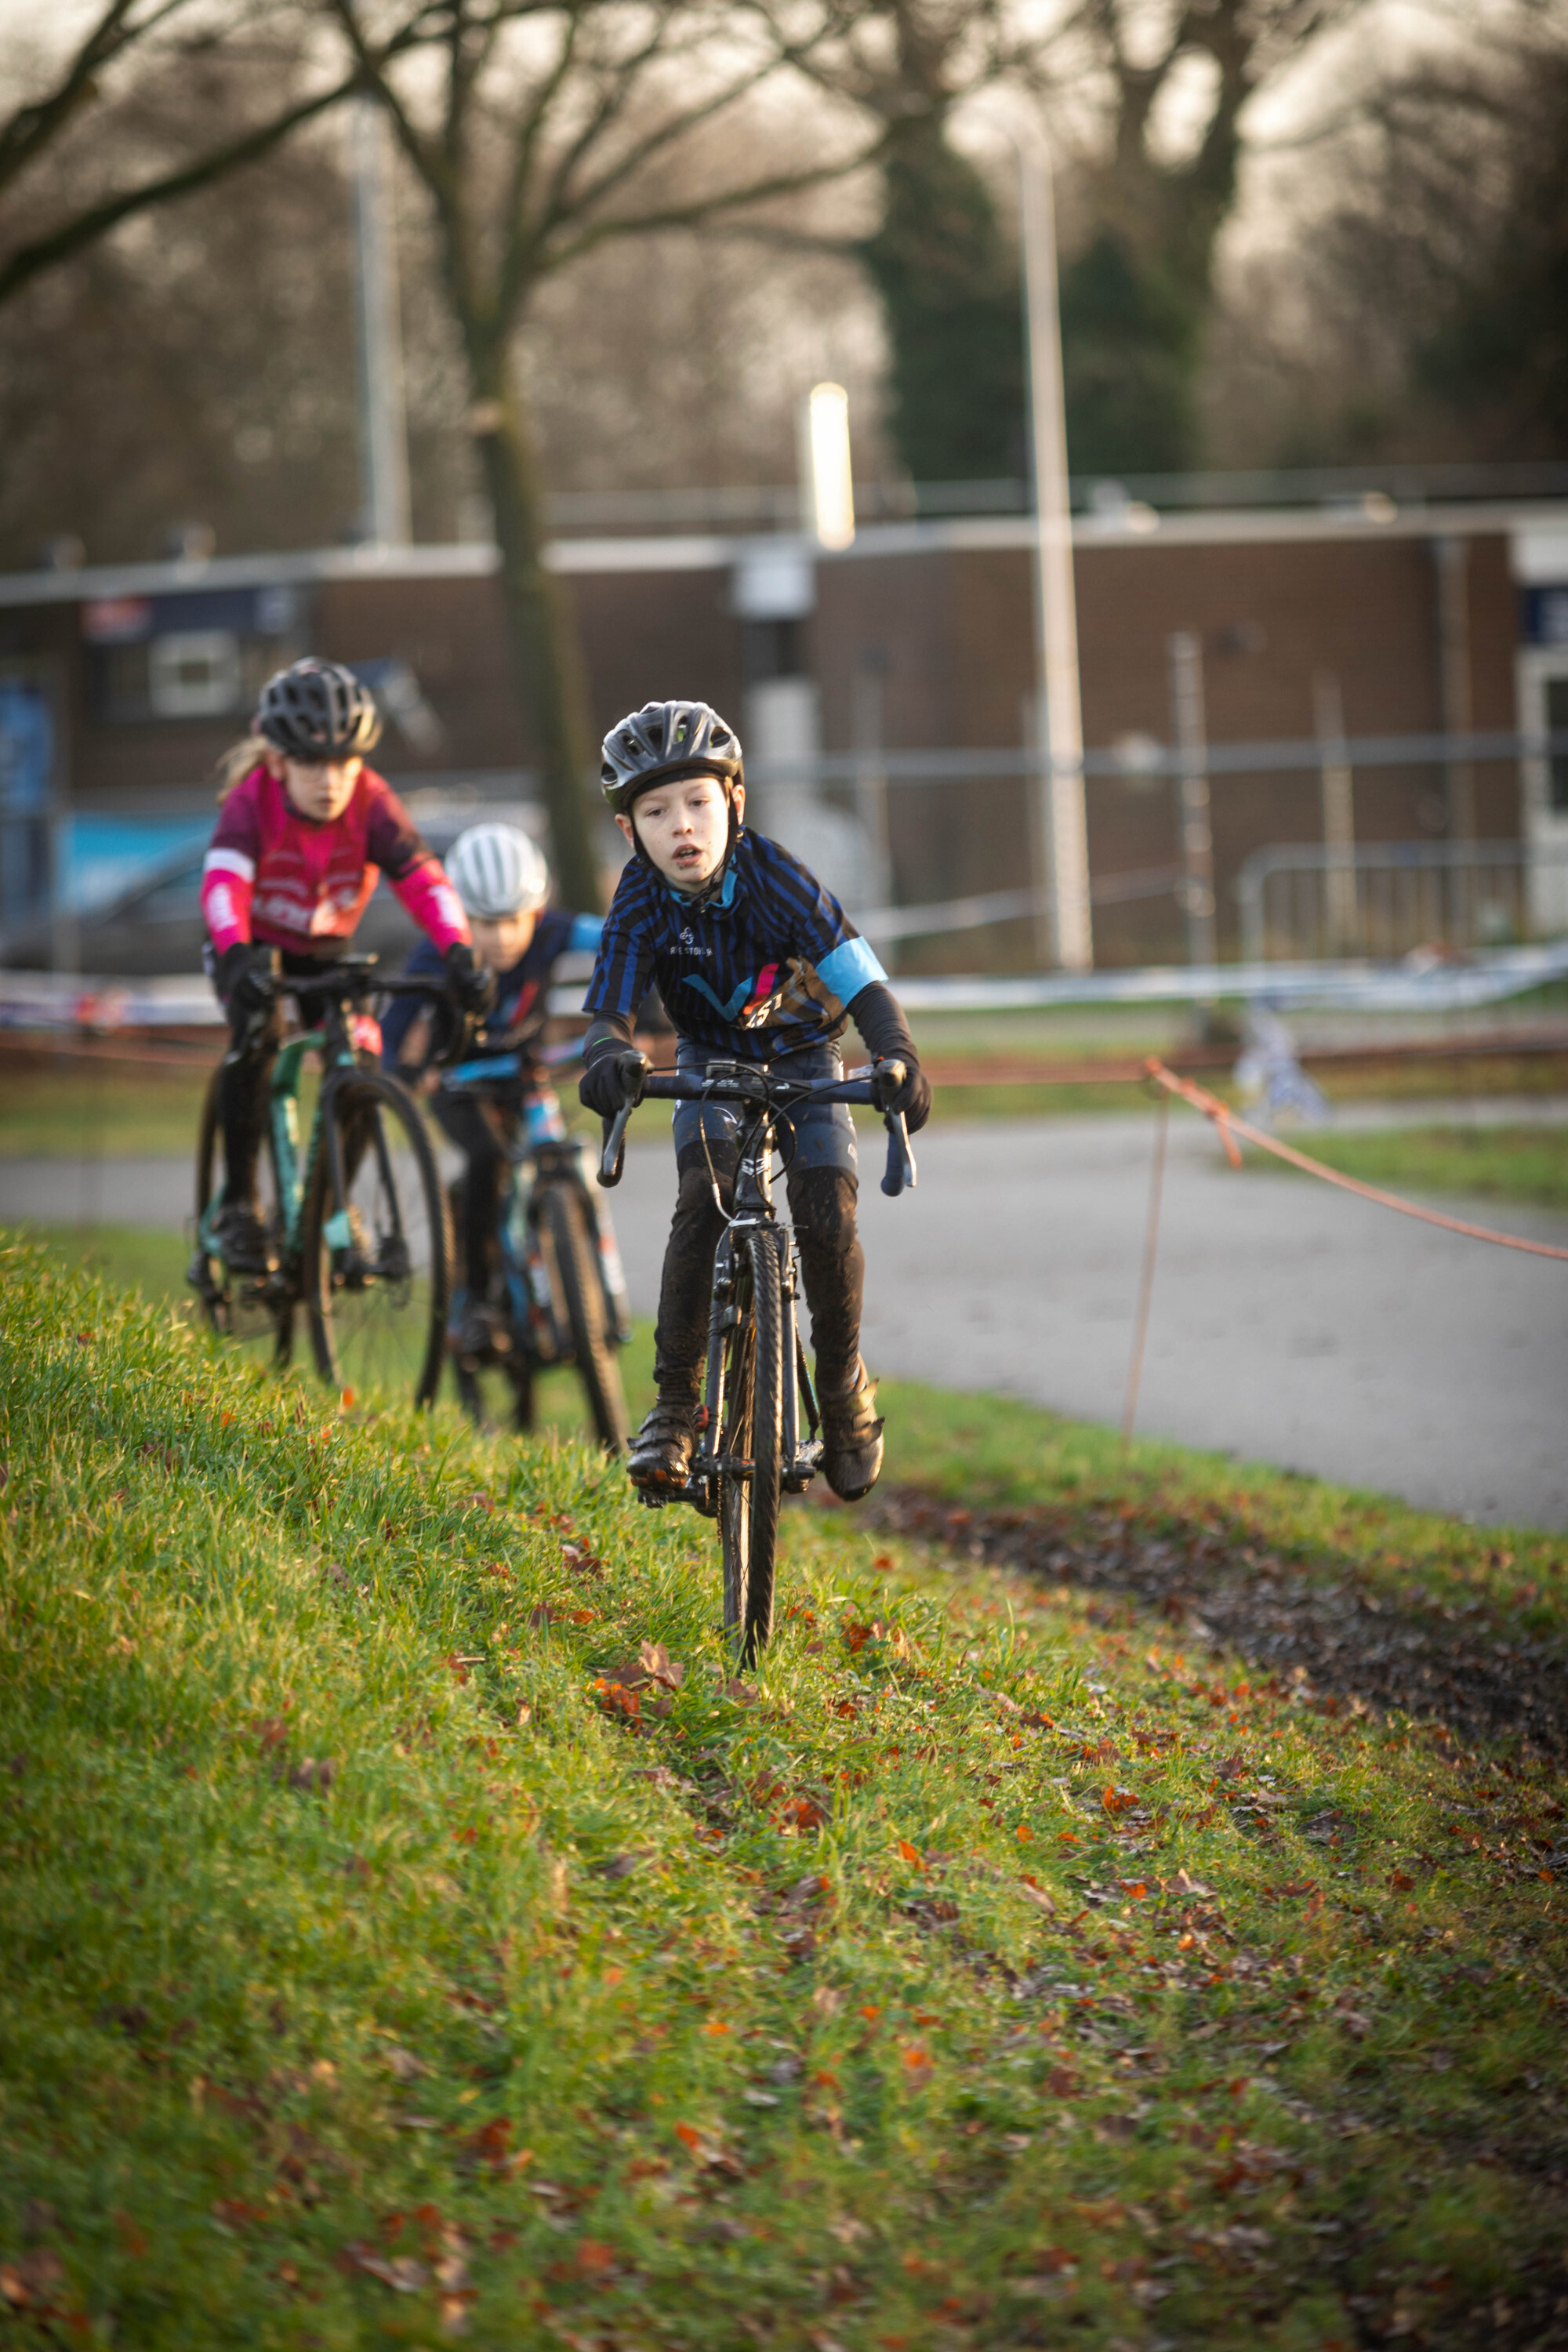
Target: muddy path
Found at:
x=1344, y=1639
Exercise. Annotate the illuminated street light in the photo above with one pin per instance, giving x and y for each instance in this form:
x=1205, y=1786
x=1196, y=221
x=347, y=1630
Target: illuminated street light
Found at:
x=829, y=480
x=1060, y=734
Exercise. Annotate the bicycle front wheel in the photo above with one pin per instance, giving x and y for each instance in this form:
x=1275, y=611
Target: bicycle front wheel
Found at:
x=565, y=1228
x=376, y=1248
x=257, y=1310
x=751, y=1435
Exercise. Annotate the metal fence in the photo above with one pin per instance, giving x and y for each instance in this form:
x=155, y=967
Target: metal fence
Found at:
x=1387, y=899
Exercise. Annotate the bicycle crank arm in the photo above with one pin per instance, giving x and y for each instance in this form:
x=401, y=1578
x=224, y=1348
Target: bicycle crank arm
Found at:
x=696, y=1492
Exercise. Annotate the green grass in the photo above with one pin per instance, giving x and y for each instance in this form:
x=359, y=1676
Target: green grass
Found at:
x=155, y=1265
x=1527, y=1164
x=100, y=1109
x=382, y=1960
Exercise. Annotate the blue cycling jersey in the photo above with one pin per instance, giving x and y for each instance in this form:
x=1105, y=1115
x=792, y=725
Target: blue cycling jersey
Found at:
x=769, y=966
x=516, y=1019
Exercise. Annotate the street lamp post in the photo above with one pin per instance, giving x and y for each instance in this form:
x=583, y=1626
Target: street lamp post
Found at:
x=1062, y=827
x=384, y=438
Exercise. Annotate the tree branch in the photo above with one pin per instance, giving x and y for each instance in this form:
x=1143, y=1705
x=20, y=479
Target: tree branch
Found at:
x=30, y=128
x=99, y=219
x=703, y=208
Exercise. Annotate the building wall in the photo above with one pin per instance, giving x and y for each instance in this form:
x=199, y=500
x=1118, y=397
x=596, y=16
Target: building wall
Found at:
x=950, y=637
x=927, y=641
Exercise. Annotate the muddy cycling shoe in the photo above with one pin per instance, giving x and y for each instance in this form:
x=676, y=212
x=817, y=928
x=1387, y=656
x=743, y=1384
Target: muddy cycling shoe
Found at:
x=852, y=1440
x=662, y=1450
x=241, y=1239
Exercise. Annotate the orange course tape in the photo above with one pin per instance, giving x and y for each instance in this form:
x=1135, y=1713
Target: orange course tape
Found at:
x=1225, y=1122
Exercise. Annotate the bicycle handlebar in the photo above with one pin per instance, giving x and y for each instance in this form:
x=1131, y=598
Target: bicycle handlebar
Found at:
x=739, y=1082
x=357, y=976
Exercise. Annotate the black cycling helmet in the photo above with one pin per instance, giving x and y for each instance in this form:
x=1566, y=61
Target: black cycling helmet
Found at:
x=666, y=739
x=316, y=710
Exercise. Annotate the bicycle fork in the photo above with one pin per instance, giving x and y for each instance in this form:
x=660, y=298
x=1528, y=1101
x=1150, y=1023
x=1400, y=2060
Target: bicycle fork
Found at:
x=799, y=1459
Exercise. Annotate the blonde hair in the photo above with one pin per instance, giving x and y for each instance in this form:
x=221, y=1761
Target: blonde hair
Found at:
x=234, y=765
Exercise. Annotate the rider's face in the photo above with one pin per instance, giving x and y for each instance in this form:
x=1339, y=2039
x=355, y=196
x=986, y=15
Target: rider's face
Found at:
x=499, y=945
x=684, y=826
x=319, y=790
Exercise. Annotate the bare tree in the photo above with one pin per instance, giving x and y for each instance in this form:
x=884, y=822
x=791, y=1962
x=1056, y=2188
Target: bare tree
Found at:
x=1138, y=296
x=1424, y=318
x=155, y=36
x=538, y=141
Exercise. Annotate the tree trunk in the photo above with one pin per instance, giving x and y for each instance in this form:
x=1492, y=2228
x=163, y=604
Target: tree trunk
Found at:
x=548, y=668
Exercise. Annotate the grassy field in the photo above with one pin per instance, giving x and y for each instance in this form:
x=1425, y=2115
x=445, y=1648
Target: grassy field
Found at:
x=104, y=1109
x=1527, y=1164
x=412, y=1932
x=99, y=1109
x=155, y=1265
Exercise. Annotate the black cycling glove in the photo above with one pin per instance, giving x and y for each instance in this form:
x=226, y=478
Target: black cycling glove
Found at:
x=472, y=984
x=914, y=1098
x=600, y=1087
x=246, y=976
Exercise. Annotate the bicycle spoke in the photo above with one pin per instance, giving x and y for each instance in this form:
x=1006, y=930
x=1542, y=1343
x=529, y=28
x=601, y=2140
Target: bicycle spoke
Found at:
x=377, y=1256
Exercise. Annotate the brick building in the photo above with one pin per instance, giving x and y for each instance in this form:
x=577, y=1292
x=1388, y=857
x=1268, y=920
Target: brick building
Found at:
x=919, y=638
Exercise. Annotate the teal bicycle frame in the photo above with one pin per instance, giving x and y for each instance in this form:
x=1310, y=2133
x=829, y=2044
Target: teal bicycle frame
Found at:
x=294, y=1180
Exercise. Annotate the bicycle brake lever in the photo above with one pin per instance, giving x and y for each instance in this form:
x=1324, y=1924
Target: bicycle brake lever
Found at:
x=613, y=1157
x=900, y=1170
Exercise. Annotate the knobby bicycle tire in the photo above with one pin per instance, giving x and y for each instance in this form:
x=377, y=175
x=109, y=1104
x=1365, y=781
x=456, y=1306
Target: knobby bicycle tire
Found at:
x=235, y=1308
x=754, y=1429
x=565, y=1219
x=377, y=1289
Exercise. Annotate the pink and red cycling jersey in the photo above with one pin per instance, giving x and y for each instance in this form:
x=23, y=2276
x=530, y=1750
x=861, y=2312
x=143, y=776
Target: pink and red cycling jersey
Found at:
x=274, y=876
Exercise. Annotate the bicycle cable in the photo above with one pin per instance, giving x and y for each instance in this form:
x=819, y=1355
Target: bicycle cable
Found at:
x=745, y=1136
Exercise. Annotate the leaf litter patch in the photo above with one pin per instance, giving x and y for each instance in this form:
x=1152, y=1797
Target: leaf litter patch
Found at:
x=1343, y=1641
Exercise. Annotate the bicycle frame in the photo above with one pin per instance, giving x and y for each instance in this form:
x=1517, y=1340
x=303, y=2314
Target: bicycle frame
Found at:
x=752, y=1085
x=561, y=1160
x=752, y=1208
x=339, y=1039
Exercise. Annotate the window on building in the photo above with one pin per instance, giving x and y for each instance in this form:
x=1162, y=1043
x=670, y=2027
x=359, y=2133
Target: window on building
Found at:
x=194, y=674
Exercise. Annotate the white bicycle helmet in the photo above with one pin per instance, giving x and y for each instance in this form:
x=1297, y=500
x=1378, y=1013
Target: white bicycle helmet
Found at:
x=495, y=871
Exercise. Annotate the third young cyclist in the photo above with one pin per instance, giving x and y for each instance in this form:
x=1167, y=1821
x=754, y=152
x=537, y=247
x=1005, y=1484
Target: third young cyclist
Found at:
x=503, y=883
x=756, y=962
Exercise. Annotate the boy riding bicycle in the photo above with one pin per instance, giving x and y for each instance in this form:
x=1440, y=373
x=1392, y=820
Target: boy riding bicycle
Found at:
x=756, y=962
x=294, y=861
x=503, y=882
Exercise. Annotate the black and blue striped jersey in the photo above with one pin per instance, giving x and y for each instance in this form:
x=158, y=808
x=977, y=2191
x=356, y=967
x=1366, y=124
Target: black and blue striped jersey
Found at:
x=768, y=966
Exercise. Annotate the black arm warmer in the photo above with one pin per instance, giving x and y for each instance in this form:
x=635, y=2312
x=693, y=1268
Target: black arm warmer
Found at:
x=608, y=1032
x=879, y=1018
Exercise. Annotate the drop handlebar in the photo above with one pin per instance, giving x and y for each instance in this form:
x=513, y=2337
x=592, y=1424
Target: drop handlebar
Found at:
x=753, y=1083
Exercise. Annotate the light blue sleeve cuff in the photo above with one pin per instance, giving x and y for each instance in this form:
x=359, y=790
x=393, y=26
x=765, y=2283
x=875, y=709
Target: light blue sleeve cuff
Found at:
x=850, y=968
x=586, y=932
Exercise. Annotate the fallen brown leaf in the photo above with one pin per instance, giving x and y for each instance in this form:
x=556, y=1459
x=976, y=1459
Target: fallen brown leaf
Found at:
x=659, y=1666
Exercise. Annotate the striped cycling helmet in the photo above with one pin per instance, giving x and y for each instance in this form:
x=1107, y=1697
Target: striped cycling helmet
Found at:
x=664, y=739
x=317, y=710
x=495, y=871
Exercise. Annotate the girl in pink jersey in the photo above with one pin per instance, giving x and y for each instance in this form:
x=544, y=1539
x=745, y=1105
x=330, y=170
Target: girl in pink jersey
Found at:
x=294, y=858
